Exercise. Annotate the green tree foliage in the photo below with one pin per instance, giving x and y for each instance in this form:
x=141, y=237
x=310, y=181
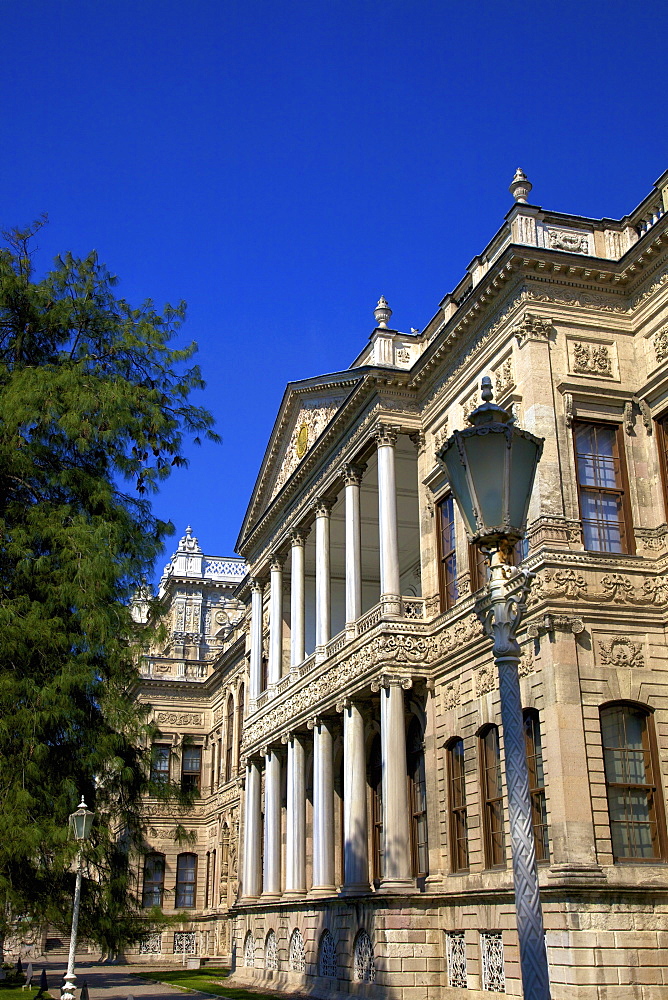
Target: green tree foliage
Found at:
x=93, y=414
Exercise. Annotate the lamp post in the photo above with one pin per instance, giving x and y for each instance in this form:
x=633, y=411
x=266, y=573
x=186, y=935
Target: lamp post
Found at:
x=81, y=821
x=491, y=466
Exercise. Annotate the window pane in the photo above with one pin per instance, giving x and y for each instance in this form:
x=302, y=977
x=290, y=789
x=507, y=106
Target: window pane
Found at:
x=160, y=762
x=447, y=554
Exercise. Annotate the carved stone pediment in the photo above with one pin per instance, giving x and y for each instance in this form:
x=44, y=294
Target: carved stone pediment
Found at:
x=307, y=425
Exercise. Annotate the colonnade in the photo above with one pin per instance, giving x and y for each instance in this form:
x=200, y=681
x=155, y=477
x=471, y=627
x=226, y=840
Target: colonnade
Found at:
x=390, y=596
x=263, y=876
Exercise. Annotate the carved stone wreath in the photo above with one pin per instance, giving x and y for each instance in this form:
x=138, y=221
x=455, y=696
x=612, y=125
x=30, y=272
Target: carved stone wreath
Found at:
x=621, y=652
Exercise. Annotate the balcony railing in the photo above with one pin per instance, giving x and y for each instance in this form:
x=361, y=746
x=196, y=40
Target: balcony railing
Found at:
x=164, y=668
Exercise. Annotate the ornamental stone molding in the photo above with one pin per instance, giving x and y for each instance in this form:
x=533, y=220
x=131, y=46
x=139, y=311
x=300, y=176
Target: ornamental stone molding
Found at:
x=575, y=297
x=484, y=680
x=572, y=242
x=653, y=539
x=555, y=623
x=179, y=718
x=554, y=530
x=661, y=344
x=621, y=651
x=527, y=663
x=310, y=422
x=592, y=359
x=387, y=680
x=452, y=695
x=613, y=588
x=504, y=380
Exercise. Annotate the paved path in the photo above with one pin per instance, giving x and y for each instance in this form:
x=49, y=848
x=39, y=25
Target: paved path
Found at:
x=107, y=982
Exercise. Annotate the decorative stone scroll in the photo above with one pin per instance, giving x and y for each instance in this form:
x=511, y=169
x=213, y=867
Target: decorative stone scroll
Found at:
x=621, y=651
x=179, y=718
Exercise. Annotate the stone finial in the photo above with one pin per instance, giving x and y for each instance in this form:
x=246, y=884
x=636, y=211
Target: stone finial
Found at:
x=520, y=186
x=382, y=312
x=189, y=543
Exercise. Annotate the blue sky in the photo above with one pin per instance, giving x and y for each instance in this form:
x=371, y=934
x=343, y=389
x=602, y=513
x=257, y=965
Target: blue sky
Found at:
x=282, y=165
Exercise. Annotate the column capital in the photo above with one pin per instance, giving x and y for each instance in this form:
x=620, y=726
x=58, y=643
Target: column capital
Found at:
x=352, y=473
x=299, y=535
x=257, y=584
x=322, y=506
x=386, y=680
x=276, y=560
x=418, y=438
x=386, y=434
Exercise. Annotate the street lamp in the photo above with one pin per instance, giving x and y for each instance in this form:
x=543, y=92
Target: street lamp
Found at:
x=491, y=466
x=81, y=821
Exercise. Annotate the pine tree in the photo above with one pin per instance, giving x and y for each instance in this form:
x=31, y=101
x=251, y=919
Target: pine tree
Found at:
x=94, y=408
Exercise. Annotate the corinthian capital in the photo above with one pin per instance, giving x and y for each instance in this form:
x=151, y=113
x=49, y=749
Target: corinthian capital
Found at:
x=352, y=474
x=386, y=434
x=322, y=507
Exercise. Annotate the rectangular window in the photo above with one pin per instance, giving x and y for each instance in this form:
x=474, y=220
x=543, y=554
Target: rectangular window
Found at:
x=634, y=801
x=160, y=762
x=492, y=798
x=446, y=550
x=459, y=847
x=154, y=880
x=191, y=768
x=602, y=488
x=534, y=747
x=186, y=880
x=662, y=444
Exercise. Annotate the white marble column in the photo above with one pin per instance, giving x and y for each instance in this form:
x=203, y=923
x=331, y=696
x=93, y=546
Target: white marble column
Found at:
x=272, y=824
x=396, y=808
x=295, y=833
x=275, y=621
x=323, y=510
x=255, y=685
x=352, y=477
x=386, y=439
x=355, y=824
x=297, y=600
x=323, y=809
x=252, y=873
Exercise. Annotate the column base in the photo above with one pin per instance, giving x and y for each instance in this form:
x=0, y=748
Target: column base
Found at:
x=322, y=890
x=271, y=896
x=355, y=889
x=294, y=894
x=391, y=605
x=399, y=886
x=574, y=872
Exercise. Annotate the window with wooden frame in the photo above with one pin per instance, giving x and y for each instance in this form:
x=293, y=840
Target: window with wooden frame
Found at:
x=662, y=444
x=417, y=788
x=229, y=736
x=186, y=881
x=635, y=803
x=375, y=778
x=240, y=719
x=191, y=768
x=214, y=759
x=446, y=551
x=602, y=487
x=154, y=880
x=479, y=568
x=534, y=746
x=458, y=821
x=492, y=797
x=160, y=763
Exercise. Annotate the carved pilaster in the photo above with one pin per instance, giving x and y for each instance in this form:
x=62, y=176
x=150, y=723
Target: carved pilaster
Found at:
x=532, y=327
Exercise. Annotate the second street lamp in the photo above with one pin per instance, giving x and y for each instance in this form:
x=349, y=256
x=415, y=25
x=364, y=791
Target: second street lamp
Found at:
x=81, y=821
x=491, y=467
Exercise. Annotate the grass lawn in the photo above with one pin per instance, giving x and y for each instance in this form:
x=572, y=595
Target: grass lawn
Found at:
x=16, y=993
x=207, y=980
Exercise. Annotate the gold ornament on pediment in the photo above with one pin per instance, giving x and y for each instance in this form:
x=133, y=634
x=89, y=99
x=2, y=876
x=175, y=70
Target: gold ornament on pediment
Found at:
x=301, y=444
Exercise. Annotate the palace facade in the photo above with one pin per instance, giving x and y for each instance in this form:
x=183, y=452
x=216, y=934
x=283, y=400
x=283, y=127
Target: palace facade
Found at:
x=332, y=694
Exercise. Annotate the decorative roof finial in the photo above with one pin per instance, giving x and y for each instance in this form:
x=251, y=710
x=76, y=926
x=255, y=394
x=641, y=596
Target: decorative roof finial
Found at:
x=382, y=312
x=189, y=543
x=520, y=186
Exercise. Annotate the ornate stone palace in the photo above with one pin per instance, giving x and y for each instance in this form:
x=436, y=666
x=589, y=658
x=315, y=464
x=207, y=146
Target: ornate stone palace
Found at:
x=332, y=694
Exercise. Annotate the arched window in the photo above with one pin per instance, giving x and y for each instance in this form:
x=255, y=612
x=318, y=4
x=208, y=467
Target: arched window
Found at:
x=296, y=952
x=418, y=797
x=249, y=951
x=154, y=879
x=240, y=718
x=492, y=797
x=376, y=786
x=459, y=846
x=637, y=824
x=186, y=881
x=364, y=966
x=327, y=964
x=534, y=745
x=229, y=747
x=270, y=952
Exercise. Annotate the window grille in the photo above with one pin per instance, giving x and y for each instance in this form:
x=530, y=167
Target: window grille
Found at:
x=327, y=964
x=271, y=952
x=249, y=951
x=185, y=943
x=493, y=972
x=456, y=958
x=151, y=944
x=364, y=965
x=297, y=957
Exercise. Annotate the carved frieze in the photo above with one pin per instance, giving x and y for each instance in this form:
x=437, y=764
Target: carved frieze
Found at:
x=504, y=380
x=564, y=239
x=485, y=679
x=621, y=651
x=615, y=588
x=179, y=718
x=661, y=344
x=588, y=358
x=451, y=695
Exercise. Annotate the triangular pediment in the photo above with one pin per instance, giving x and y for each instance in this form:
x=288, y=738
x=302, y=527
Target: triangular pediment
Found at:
x=306, y=411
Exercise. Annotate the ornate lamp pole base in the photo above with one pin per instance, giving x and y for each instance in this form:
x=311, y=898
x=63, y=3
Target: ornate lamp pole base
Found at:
x=500, y=611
